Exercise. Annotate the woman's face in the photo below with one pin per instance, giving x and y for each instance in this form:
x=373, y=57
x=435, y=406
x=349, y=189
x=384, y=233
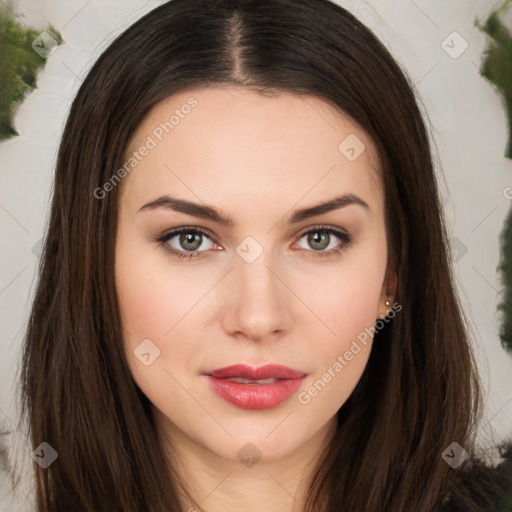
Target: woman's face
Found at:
x=274, y=286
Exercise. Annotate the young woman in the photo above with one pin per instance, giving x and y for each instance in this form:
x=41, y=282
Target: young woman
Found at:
x=245, y=298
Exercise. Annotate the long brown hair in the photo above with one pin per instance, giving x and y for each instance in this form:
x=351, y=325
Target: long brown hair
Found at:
x=419, y=392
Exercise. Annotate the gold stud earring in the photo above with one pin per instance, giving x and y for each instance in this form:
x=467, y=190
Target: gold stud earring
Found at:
x=387, y=303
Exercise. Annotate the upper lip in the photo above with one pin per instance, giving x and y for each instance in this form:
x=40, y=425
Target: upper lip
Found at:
x=266, y=371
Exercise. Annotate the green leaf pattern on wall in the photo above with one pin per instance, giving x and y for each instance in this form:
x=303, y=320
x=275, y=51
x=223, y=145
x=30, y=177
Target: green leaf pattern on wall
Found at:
x=497, y=69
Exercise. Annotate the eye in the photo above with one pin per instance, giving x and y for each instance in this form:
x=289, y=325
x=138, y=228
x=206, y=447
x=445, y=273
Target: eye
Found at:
x=320, y=238
x=190, y=239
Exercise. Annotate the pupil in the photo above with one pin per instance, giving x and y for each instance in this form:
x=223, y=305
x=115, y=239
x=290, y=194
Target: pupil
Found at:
x=190, y=238
x=317, y=238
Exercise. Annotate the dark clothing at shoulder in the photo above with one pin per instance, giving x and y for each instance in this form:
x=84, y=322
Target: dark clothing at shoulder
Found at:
x=483, y=488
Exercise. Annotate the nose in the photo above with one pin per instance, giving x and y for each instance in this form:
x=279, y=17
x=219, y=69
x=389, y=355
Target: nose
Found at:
x=258, y=302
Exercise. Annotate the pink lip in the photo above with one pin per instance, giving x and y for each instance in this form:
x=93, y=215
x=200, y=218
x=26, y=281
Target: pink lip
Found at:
x=266, y=371
x=255, y=396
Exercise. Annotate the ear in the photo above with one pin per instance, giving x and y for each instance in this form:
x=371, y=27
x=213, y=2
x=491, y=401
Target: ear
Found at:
x=388, y=292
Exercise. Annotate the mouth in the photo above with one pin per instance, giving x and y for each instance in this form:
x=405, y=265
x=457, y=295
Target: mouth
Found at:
x=264, y=387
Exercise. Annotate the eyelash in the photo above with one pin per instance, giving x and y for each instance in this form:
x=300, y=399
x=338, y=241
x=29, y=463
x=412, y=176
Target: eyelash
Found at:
x=345, y=237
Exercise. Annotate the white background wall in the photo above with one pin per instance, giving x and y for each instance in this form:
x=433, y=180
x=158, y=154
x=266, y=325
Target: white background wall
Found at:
x=468, y=126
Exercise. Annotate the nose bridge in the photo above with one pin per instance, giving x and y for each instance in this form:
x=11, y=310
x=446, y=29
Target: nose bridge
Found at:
x=258, y=302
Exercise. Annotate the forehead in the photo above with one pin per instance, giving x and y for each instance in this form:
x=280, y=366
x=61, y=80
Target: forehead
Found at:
x=232, y=142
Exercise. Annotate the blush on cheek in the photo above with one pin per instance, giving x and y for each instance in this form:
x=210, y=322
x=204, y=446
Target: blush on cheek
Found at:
x=152, y=306
x=347, y=309
x=142, y=312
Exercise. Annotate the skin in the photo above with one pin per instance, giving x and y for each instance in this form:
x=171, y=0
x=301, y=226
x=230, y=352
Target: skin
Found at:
x=256, y=158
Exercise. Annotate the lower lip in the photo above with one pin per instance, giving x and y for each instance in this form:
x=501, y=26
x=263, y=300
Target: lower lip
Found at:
x=255, y=396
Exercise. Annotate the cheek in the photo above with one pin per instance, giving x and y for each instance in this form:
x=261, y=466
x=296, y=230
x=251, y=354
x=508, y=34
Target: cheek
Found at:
x=146, y=305
x=339, y=357
x=151, y=299
x=346, y=298
x=349, y=313
x=153, y=305
x=347, y=303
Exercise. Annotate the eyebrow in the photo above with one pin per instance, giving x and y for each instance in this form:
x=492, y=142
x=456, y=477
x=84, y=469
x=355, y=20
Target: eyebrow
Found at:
x=215, y=215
